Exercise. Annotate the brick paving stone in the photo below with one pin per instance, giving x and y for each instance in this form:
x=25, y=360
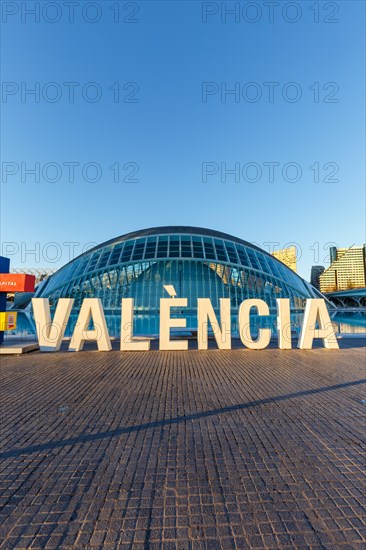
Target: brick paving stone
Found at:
x=183, y=450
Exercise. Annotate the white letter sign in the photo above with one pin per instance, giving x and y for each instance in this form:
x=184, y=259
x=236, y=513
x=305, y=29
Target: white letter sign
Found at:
x=166, y=322
x=128, y=343
x=91, y=310
x=50, y=333
x=206, y=312
x=264, y=334
x=316, y=311
x=283, y=323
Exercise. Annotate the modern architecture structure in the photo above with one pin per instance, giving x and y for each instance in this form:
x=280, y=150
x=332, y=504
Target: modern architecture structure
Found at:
x=287, y=256
x=199, y=263
x=316, y=271
x=352, y=298
x=346, y=271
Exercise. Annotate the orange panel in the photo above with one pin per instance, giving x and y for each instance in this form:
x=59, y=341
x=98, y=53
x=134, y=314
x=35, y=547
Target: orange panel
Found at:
x=16, y=282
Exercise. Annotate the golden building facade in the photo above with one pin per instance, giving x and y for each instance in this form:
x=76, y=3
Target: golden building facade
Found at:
x=347, y=271
x=287, y=256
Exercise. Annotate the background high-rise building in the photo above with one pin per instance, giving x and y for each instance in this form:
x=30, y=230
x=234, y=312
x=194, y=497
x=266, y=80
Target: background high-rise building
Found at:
x=347, y=269
x=287, y=256
x=333, y=253
x=316, y=271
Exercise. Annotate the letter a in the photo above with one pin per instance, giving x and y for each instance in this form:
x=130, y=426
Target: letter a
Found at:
x=91, y=309
x=316, y=310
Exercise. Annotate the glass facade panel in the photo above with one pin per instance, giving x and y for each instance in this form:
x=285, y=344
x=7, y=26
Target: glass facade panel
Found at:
x=174, y=247
x=253, y=259
x=116, y=253
x=82, y=266
x=231, y=252
x=197, y=247
x=186, y=247
x=104, y=257
x=162, y=251
x=127, y=251
x=138, y=251
x=275, y=269
x=94, y=260
x=263, y=262
x=209, y=249
x=220, y=251
x=243, y=256
x=150, y=250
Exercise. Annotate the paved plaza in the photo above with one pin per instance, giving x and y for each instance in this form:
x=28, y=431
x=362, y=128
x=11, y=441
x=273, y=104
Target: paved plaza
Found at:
x=187, y=450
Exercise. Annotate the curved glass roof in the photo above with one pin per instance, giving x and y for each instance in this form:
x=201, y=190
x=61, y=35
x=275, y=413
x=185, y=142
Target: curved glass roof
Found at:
x=175, y=242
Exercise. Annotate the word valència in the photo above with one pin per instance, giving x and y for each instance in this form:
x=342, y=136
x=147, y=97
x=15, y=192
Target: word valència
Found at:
x=316, y=324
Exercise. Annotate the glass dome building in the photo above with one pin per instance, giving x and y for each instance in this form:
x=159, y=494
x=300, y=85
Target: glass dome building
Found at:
x=199, y=263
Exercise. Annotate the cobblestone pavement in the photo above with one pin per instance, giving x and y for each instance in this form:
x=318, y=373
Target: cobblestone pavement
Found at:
x=187, y=450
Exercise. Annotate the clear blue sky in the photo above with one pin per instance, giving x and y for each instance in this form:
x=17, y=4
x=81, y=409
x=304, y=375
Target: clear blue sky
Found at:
x=170, y=132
